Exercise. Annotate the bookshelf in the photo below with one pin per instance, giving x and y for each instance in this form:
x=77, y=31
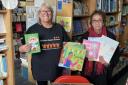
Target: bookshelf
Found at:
x=80, y=11
x=124, y=23
x=7, y=35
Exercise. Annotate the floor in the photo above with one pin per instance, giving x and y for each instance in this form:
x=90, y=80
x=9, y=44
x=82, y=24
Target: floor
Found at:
x=19, y=80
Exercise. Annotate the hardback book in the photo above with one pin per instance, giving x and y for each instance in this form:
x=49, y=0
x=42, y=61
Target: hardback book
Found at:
x=93, y=48
x=33, y=40
x=72, y=56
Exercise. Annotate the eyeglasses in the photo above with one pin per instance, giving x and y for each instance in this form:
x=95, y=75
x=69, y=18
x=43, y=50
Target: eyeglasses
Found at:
x=97, y=21
x=45, y=11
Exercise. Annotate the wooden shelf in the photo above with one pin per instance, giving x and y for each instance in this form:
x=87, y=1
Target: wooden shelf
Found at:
x=3, y=11
x=2, y=78
x=2, y=34
x=110, y=13
x=80, y=16
x=7, y=17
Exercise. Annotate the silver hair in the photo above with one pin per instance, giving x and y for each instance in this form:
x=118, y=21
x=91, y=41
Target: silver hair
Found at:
x=44, y=5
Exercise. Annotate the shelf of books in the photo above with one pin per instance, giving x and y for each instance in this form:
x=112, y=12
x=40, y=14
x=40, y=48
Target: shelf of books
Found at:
x=124, y=24
x=75, y=21
x=6, y=48
x=80, y=11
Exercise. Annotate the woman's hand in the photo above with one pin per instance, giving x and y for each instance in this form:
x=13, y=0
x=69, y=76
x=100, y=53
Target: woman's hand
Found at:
x=25, y=48
x=101, y=59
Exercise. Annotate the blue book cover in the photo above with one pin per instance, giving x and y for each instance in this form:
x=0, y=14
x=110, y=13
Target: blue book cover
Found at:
x=4, y=61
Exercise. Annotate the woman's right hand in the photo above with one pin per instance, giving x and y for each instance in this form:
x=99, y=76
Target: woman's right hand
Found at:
x=25, y=48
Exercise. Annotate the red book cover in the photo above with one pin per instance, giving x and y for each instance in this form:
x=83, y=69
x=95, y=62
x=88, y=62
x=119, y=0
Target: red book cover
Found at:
x=18, y=27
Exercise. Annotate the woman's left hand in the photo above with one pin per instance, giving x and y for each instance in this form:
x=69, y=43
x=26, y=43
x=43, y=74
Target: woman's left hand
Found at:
x=102, y=60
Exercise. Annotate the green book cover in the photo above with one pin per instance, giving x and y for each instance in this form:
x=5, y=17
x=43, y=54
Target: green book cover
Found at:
x=33, y=40
x=72, y=56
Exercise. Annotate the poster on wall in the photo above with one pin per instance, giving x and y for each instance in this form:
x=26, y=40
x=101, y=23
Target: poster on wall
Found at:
x=66, y=22
x=59, y=5
x=31, y=17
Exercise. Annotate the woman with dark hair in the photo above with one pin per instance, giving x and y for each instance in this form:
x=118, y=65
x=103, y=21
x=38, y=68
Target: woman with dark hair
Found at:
x=98, y=72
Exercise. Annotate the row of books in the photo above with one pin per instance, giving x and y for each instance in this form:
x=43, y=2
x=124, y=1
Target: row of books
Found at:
x=79, y=26
x=3, y=46
x=80, y=8
x=125, y=10
x=19, y=14
x=3, y=66
x=107, y=5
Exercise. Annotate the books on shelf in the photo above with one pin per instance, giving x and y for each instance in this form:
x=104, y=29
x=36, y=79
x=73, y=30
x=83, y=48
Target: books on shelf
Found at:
x=107, y=5
x=3, y=66
x=79, y=27
x=72, y=56
x=107, y=47
x=33, y=40
x=2, y=24
x=3, y=47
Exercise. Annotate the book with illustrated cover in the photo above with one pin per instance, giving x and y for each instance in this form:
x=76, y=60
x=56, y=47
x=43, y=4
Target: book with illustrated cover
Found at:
x=72, y=56
x=93, y=48
x=66, y=22
x=107, y=46
x=33, y=40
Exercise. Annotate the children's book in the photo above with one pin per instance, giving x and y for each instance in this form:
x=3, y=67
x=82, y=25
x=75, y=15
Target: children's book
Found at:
x=93, y=48
x=33, y=40
x=72, y=56
x=107, y=46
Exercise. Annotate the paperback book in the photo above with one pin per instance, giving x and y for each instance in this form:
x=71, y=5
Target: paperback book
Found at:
x=93, y=48
x=107, y=47
x=33, y=40
x=72, y=56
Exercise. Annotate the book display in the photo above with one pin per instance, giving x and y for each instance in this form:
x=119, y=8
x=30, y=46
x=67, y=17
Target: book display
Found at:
x=72, y=56
x=102, y=49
